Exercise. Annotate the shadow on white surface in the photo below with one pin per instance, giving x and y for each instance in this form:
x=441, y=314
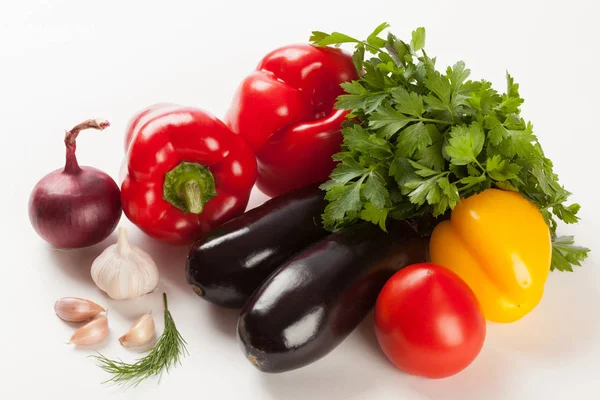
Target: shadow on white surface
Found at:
x=357, y=366
x=491, y=366
x=350, y=371
x=76, y=263
x=93, y=348
x=331, y=378
x=488, y=367
x=563, y=325
x=169, y=259
x=74, y=326
x=132, y=309
x=366, y=332
x=223, y=320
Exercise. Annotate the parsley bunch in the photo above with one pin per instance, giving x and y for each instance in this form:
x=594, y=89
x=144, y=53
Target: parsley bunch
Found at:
x=417, y=140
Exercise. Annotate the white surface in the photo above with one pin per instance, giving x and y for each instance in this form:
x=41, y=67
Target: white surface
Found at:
x=64, y=61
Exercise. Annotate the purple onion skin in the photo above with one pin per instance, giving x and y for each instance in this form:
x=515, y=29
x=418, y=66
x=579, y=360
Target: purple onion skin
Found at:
x=74, y=210
x=74, y=207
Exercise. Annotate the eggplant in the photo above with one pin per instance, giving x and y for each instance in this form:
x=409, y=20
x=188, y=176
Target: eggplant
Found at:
x=227, y=266
x=316, y=299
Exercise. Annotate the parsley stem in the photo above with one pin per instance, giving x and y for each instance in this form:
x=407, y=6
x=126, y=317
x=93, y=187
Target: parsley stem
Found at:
x=452, y=115
x=479, y=165
x=371, y=46
x=435, y=121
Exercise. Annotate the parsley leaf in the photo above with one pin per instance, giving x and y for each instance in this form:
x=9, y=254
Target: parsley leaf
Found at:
x=358, y=139
x=422, y=170
x=565, y=254
x=440, y=87
x=323, y=39
x=501, y=170
x=483, y=98
x=343, y=199
x=567, y=214
x=358, y=56
x=423, y=190
x=432, y=156
x=418, y=39
x=375, y=215
x=408, y=103
x=458, y=74
x=359, y=98
x=511, y=100
x=344, y=172
x=401, y=171
x=465, y=143
x=389, y=121
x=375, y=190
x=414, y=138
x=449, y=198
x=373, y=38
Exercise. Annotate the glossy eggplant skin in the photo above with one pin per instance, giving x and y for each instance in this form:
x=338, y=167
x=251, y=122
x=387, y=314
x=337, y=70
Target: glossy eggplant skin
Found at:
x=225, y=267
x=316, y=299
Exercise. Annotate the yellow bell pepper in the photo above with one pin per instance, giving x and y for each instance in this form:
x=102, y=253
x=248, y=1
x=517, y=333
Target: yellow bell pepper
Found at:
x=499, y=244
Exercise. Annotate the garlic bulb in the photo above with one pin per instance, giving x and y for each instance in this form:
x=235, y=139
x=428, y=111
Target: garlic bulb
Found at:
x=124, y=271
x=93, y=332
x=141, y=334
x=74, y=309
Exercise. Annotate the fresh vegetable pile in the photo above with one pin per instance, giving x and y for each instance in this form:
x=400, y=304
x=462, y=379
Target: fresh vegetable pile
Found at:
x=395, y=187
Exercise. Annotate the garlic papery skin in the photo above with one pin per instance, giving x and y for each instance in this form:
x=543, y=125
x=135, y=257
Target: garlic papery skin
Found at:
x=124, y=271
x=93, y=332
x=142, y=333
x=74, y=309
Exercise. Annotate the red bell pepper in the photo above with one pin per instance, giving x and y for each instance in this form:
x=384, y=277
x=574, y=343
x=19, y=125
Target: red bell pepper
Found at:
x=186, y=173
x=285, y=112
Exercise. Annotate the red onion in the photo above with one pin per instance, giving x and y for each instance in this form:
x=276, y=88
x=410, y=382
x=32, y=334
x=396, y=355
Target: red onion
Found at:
x=75, y=206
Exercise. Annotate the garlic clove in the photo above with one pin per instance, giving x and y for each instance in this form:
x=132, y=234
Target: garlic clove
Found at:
x=93, y=332
x=74, y=309
x=141, y=334
x=124, y=271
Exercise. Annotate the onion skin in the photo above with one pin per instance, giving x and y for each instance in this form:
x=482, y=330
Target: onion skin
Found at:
x=75, y=207
x=75, y=210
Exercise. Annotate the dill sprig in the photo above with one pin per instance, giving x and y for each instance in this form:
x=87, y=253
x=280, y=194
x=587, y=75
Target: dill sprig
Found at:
x=167, y=352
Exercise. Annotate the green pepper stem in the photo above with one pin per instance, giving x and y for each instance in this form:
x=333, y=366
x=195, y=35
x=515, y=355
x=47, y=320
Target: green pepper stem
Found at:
x=189, y=186
x=192, y=195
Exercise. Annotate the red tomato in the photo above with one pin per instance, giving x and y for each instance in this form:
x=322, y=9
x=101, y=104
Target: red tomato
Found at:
x=428, y=321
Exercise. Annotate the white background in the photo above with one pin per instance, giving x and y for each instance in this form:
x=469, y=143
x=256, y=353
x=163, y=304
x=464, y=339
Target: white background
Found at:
x=64, y=61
